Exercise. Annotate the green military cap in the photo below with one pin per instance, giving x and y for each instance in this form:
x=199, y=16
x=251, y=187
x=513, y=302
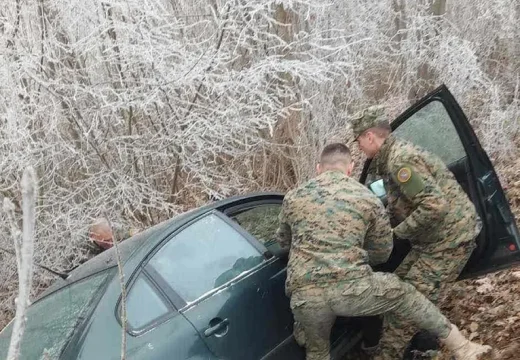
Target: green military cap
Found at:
x=366, y=119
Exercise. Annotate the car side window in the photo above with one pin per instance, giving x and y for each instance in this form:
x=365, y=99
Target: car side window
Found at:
x=261, y=222
x=144, y=304
x=432, y=129
x=203, y=256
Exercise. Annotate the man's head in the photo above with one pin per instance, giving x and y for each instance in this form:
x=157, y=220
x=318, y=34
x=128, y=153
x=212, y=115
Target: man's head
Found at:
x=336, y=157
x=101, y=233
x=371, y=128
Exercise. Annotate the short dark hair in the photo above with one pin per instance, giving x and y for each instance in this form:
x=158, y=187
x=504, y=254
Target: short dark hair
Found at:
x=335, y=153
x=382, y=129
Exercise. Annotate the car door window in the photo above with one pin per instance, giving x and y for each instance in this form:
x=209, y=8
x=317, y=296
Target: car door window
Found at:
x=144, y=304
x=432, y=129
x=261, y=222
x=204, y=256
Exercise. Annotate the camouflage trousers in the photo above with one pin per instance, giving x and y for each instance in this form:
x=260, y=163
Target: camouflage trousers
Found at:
x=315, y=307
x=429, y=274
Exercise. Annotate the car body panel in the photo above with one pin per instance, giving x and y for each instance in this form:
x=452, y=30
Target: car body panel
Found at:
x=256, y=301
x=100, y=336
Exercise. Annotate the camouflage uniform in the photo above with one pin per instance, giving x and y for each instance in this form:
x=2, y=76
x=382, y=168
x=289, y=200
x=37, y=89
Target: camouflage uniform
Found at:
x=432, y=211
x=336, y=229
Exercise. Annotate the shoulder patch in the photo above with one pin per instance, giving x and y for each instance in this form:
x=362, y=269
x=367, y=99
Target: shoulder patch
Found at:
x=408, y=180
x=404, y=174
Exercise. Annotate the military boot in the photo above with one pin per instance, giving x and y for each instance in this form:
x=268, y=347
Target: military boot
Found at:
x=462, y=348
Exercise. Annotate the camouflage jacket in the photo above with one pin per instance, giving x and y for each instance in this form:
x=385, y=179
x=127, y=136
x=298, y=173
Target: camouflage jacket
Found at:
x=424, y=198
x=335, y=228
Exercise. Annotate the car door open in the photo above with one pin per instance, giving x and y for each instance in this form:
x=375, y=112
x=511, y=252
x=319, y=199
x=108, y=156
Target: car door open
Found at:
x=438, y=124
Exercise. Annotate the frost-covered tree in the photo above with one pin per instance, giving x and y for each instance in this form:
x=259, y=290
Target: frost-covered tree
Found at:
x=140, y=109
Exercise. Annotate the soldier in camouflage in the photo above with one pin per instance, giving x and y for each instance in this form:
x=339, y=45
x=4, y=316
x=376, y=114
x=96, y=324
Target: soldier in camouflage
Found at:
x=336, y=229
x=427, y=206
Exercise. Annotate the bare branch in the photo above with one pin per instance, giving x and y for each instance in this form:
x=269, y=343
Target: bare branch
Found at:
x=25, y=259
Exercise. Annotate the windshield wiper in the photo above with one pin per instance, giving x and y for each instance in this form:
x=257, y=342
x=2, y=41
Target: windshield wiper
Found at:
x=54, y=272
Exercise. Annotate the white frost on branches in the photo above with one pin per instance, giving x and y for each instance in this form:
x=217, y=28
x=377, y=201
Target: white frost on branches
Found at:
x=139, y=109
x=24, y=246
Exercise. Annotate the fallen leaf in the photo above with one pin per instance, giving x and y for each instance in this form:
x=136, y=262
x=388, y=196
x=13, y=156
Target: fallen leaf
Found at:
x=473, y=327
x=485, y=286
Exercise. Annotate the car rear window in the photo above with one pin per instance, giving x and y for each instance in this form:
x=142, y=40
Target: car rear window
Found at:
x=52, y=320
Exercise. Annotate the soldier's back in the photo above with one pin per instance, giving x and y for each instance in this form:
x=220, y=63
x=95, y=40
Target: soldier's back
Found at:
x=329, y=217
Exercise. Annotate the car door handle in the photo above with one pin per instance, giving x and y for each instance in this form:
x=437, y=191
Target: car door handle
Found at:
x=216, y=327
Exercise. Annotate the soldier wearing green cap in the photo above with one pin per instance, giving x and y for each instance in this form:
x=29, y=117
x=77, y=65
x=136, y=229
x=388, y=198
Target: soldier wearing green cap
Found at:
x=426, y=206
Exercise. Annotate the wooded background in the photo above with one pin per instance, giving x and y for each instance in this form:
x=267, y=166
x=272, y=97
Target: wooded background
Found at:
x=141, y=109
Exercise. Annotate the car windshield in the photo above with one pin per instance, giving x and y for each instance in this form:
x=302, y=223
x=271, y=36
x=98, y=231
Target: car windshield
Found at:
x=52, y=320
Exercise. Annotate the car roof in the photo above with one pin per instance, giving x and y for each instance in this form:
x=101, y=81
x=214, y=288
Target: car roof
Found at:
x=108, y=259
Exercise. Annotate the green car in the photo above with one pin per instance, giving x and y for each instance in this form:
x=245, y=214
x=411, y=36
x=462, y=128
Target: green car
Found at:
x=209, y=284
